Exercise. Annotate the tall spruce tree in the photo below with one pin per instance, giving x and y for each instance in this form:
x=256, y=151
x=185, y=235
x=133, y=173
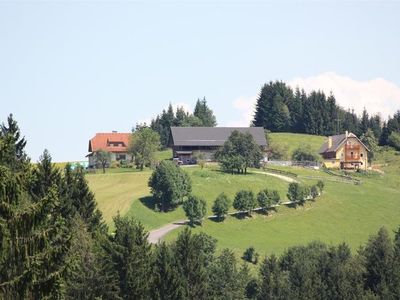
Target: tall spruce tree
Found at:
x=167, y=282
x=131, y=254
x=204, y=113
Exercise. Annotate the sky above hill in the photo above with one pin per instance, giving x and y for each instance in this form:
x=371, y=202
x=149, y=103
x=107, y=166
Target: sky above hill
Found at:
x=71, y=69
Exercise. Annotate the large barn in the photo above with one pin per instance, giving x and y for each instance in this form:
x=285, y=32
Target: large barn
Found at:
x=187, y=142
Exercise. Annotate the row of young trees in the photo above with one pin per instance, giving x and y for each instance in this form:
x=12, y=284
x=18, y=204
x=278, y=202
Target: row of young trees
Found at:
x=280, y=109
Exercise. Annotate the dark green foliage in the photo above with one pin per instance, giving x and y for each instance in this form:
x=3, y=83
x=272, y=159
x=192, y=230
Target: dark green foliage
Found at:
x=278, y=108
x=34, y=241
x=304, y=153
x=298, y=192
x=131, y=255
x=221, y=205
x=170, y=185
x=239, y=152
x=90, y=274
x=314, y=192
x=204, y=113
x=394, y=140
x=77, y=198
x=194, y=253
x=379, y=253
x=244, y=201
x=168, y=282
x=320, y=185
x=202, y=116
x=266, y=198
x=12, y=146
x=273, y=281
x=144, y=143
x=250, y=255
x=369, y=140
x=195, y=209
x=226, y=280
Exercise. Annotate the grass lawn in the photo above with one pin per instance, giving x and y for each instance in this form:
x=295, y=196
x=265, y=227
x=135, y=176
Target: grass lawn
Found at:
x=128, y=193
x=294, y=140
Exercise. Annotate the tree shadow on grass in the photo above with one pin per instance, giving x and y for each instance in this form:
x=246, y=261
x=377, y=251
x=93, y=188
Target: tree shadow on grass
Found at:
x=149, y=202
x=292, y=205
x=216, y=219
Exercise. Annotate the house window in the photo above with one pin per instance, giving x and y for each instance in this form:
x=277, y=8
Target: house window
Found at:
x=121, y=157
x=351, y=154
x=362, y=155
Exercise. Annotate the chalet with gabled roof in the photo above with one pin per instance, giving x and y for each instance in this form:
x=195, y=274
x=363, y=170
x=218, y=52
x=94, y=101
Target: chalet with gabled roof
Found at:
x=114, y=142
x=344, y=151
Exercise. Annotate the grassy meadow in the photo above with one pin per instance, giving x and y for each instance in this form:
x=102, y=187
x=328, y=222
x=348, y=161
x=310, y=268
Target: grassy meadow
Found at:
x=292, y=141
x=344, y=213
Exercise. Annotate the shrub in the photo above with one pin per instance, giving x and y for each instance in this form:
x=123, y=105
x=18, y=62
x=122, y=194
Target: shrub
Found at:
x=221, y=205
x=304, y=153
x=244, y=201
x=195, y=209
x=278, y=152
x=320, y=185
x=314, y=192
x=169, y=185
x=250, y=255
x=394, y=140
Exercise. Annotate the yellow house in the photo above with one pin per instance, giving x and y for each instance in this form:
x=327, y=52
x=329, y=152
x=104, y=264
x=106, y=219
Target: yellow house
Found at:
x=344, y=151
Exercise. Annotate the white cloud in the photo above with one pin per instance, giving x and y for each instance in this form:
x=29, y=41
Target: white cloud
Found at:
x=376, y=95
x=245, y=105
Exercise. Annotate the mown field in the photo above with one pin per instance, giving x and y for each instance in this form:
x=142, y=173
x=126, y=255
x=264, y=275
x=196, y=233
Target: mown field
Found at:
x=344, y=213
x=292, y=141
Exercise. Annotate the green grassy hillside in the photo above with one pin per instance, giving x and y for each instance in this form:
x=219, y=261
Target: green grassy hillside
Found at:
x=292, y=141
x=344, y=213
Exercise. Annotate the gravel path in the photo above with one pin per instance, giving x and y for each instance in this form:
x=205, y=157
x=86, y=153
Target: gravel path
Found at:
x=283, y=177
x=157, y=234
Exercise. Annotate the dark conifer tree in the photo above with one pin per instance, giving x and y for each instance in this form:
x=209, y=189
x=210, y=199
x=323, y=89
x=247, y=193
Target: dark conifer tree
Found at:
x=168, y=282
x=131, y=254
x=378, y=254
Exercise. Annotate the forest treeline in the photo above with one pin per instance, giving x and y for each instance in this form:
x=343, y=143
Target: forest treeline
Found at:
x=55, y=245
x=202, y=116
x=280, y=109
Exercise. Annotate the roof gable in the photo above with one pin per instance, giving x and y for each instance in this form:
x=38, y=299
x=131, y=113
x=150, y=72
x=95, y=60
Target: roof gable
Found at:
x=112, y=142
x=337, y=141
x=212, y=136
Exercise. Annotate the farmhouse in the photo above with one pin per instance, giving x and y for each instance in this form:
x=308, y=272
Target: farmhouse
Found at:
x=344, y=151
x=188, y=142
x=113, y=142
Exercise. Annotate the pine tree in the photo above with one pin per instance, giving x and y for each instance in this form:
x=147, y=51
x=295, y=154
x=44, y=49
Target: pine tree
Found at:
x=378, y=254
x=34, y=241
x=12, y=147
x=204, y=113
x=192, y=257
x=168, y=282
x=131, y=254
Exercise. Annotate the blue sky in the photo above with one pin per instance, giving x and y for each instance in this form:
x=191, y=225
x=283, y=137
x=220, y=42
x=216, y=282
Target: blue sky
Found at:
x=71, y=69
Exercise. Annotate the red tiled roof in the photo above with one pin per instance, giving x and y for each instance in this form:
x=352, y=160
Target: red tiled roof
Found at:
x=102, y=141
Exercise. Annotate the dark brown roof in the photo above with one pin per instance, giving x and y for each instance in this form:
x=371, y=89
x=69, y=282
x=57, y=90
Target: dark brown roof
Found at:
x=212, y=136
x=338, y=140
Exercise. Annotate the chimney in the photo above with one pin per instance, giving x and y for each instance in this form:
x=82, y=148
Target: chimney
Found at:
x=329, y=142
x=347, y=133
